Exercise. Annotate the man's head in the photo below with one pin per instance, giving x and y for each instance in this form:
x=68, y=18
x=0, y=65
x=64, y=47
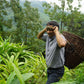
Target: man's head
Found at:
x=53, y=23
x=50, y=28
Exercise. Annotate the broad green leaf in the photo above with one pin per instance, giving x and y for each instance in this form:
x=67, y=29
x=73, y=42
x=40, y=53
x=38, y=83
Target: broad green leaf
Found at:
x=10, y=78
x=0, y=60
x=2, y=81
x=18, y=74
x=16, y=81
x=27, y=76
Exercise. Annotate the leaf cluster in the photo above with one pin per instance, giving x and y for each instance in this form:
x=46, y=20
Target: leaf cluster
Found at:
x=20, y=66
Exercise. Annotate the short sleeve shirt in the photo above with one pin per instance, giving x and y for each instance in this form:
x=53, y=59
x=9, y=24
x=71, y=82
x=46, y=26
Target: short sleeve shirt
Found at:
x=54, y=54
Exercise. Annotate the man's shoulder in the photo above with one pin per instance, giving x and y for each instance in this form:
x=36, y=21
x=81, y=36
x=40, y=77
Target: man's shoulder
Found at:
x=63, y=36
x=45, y=34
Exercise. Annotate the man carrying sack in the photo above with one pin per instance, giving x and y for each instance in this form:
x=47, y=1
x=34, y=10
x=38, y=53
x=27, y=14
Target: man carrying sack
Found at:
x=55, y=49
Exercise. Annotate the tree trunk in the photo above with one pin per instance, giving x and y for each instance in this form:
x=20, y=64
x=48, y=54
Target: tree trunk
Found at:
x=61, y=25
x=26, y=36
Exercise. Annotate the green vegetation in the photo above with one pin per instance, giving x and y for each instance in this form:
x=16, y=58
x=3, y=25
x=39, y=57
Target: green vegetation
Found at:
x=20, y=66
x=73, y=76
x=20, y=20
x=21, y=23
x=21, y=59
x=70, y=18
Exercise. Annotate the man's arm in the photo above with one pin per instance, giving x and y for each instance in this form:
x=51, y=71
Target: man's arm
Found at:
x=39, y=36
x=61, y=42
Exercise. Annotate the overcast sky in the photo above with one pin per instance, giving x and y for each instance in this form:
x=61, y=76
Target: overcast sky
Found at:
x=75, y=3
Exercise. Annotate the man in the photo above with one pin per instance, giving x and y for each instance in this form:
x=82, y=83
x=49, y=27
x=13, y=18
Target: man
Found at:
x=55, y=43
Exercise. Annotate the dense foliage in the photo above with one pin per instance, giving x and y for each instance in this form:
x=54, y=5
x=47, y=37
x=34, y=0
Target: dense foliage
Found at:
x=21, y=61
x=70, y=17
x=21, y=23
x=73, y=76
x=20, y=66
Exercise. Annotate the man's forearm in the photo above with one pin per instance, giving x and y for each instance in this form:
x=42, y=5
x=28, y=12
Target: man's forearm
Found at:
x=41, y=33
x=61, y=42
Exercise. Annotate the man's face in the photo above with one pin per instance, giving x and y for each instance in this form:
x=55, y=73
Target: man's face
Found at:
x=50, y=30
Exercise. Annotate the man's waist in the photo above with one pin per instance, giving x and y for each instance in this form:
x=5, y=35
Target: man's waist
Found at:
x=50, y=68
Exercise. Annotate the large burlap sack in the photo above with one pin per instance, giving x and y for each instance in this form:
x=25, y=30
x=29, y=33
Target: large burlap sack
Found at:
x=74, y=50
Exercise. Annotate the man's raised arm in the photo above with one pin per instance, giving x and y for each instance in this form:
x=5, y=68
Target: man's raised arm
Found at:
x=39, y=36
x=61, y=42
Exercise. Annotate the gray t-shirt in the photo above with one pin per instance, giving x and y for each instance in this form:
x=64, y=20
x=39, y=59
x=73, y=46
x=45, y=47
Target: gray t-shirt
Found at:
x=54, y=54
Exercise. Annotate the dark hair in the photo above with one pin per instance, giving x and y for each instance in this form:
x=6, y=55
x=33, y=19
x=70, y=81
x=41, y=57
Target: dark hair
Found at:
x=54, y=23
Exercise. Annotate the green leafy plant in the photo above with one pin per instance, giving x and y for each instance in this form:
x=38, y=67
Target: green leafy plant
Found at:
x=20, y=66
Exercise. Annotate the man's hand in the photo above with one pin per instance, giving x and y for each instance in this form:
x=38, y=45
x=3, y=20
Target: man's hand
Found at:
x=55, y=29
x=61, y=42
x=39, y=36
x=45, y=29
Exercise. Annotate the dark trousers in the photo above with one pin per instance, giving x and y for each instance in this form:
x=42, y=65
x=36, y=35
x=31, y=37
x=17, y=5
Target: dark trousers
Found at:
x=54, y=74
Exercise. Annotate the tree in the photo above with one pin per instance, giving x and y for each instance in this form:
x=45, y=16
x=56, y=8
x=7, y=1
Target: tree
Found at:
x=69, y=17
x=56, y=12
x=31, y=21
x=27, y=23
x=18, y=19
x=74, y=19
x=4, y=21
x=32, y=25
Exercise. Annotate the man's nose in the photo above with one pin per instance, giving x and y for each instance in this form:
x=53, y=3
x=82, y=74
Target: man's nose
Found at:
x=48, y=31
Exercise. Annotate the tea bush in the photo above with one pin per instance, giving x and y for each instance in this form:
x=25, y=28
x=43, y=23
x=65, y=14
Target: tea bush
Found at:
x=20, y=66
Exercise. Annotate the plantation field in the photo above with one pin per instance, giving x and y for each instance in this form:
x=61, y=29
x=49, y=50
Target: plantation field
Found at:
x=21, y=66
x=21, y=53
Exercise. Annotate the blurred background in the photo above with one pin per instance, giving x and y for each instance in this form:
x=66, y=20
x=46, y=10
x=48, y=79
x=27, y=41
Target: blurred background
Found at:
x=21, y=20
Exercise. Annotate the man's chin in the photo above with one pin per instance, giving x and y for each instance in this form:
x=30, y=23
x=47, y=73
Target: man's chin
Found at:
x=50, y=35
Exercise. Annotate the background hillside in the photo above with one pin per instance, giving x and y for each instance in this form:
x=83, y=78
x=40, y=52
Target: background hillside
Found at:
x=22, y=20
x=38, y=4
